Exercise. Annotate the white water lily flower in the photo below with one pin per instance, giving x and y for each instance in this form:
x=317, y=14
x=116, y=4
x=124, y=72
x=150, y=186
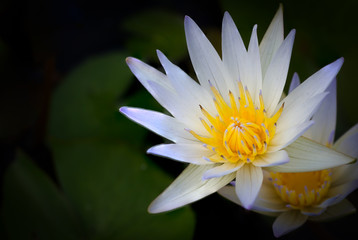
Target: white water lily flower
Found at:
x=319, y=195
x=232, y=123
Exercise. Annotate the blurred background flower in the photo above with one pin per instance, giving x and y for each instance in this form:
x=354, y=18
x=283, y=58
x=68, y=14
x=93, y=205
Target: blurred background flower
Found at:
x=72, y=167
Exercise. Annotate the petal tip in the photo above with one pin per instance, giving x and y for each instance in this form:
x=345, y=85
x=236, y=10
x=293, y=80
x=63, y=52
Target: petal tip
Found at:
x=123, y=110
x=293, y=32
x=187, y=20
x=128, y=60
x=280, y=7
x=153, y=209
x=150, y=151
x=131, y=62
x=227, y=15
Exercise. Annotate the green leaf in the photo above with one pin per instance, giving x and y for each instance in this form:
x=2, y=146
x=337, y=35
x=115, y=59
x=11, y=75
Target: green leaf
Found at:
x=156, y=29
x=33, y=208
x=95, y=149
x=111, y=186
x=85, y=105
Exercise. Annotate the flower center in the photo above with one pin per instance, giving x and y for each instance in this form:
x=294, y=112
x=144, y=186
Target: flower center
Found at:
x=240, y=131
x=302, y=189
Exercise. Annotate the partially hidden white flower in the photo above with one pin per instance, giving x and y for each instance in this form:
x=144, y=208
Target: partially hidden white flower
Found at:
x=232, y=123
x=319, y=195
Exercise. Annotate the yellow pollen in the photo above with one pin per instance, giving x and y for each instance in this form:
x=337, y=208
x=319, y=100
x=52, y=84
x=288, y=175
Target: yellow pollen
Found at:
x=240, y=130
x=302, y=189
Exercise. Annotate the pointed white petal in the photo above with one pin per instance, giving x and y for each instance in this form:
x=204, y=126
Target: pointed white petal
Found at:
x=295, y=82
x=299, y=112
x=287, y=222
x=337, y=193
x=188, y=187
x=229, y=193
x=285, y=138
x=190, y=153
x=206, y=61
x=331, y=200
x=181, y=110
x=159, y=123
x=313, y=211
x=233, y=51
x=348, y=142
x=271, y=159
x=315, y=84
x=344, y=174
x=271, y=40
x=161, y=89
x=146, y=73
x=248, y=183
x=325, y=118
x=268, y=200
x=190, y=92
x=307, y=155
x=340, y=209
x=275, y=77
x=253, y=81
x=222, y=170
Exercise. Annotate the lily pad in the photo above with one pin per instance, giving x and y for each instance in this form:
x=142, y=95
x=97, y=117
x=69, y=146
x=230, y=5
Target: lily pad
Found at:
x=33, y=208
x=111, y=186
x=100, y=157
x=85, y=104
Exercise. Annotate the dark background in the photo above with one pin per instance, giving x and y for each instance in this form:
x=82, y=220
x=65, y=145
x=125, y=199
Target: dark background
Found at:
x=72, y=167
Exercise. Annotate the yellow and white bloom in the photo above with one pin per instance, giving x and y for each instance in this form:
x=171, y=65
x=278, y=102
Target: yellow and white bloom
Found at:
x=232, y=123
x=318, y=195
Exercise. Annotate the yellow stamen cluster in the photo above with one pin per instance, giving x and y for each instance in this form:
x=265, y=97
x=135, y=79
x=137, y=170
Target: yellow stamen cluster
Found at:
x=302, y=189
x=240, y=131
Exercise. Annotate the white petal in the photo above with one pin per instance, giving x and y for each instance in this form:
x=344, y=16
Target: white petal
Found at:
x=190, y=92
x=271, y=159
x=276, y=74
x=315, y=84
x=348, y=142
x=222, y=170
x=330, y=200
x=338, y=210
x=299, y=112
x=337, y=193
x=254, y=83
x=206, y=61
x=229, y=193
x=344, y=174
x=161, y=89
x=268, y=200
x=271, y=40
x=188, y=187
x=313, y=211
x=181, y=110
x=248, y=183
x=233, y=51
x=146, y=73
x=285, y=138
x=287, y=222
x=307, y=155
x=325, y=118
x=295, y=82
x=190, y=153
x=159, y=123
